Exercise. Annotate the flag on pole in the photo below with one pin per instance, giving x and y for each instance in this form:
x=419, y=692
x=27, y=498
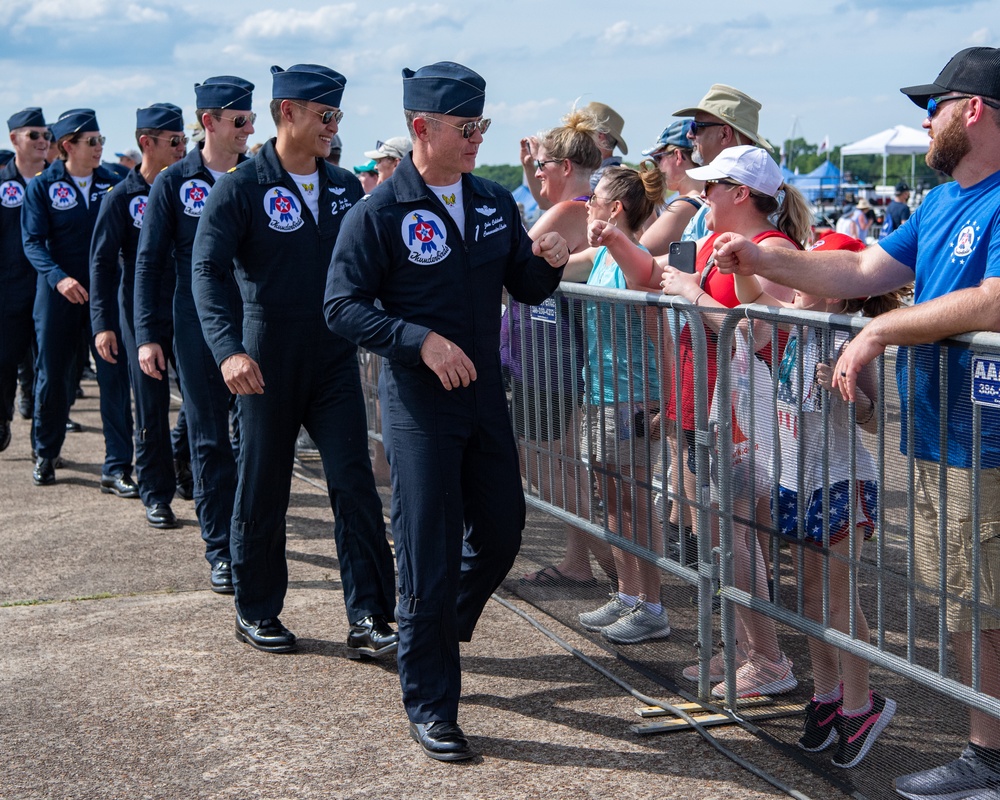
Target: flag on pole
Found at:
x=824, y=146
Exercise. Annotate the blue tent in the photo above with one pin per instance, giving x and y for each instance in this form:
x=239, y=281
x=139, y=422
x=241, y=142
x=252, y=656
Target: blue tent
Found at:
x=820, y=184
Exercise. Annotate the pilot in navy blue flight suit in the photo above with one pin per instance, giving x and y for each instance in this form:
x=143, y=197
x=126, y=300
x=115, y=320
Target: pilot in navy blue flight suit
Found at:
x=439, y=269
x=17, y=276
x=274, y=220
x=57, y=221
x=160, y=134
x=171, y=218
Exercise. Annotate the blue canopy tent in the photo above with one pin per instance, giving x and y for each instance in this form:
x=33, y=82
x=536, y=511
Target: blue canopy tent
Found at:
x=822, y=184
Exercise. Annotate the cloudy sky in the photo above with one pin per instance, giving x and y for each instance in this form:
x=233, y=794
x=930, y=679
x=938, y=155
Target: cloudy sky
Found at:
x=834, y=71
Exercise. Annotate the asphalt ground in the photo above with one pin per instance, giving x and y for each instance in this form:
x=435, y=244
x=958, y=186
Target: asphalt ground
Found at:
x=120, y=675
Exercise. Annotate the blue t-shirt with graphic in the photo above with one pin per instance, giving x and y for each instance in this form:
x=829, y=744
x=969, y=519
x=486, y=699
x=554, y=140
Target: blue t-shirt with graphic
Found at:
x=952, y=242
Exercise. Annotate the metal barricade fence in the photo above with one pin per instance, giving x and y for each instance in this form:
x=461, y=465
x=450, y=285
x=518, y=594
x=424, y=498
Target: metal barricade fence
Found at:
x=594, y=389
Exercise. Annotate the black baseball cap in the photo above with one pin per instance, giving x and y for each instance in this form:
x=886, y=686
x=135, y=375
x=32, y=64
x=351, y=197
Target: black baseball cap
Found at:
x=975, y=70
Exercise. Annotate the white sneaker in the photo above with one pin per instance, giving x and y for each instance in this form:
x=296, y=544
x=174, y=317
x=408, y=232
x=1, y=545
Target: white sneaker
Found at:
x=761, y=676
x=638, y=625
x=716, y=667
x=611, y=611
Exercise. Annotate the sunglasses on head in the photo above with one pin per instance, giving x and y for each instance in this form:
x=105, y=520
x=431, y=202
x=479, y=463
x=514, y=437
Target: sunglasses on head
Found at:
x=241, y=120
x=173, y=141
x=481, y=125
x=334, y=114
x=36, y=135
x=92, y=141
x=694, y=126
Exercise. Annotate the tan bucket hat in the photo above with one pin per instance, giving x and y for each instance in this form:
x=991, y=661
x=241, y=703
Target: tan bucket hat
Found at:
x=611, y=122
x=736, y=109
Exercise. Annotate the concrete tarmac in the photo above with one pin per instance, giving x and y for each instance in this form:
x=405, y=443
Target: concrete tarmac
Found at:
x=121, y=677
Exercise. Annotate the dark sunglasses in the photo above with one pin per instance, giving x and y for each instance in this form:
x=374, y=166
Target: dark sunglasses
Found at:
x=336, y=114
x=93, y=141
x=540, y=165
x=36, y=135
x=693, y=127
x=721, y=182
x=173, y=141
x=934, y=103
x=481, y=125
x=241, y=120
x=657, y=157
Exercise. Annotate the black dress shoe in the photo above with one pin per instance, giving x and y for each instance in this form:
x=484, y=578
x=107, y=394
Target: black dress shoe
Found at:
x=73, y=427
x=268, y=635
x=184, y=479
x=222, y=579
x=25, y=408
x=443, y=741
x=160, y=515
x=4, y=434
x=372, y=636
x=44, y=473
x=120, y=485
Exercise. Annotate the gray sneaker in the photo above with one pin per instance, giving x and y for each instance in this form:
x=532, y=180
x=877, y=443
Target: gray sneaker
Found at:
x=610, y=612
x=968, y=776
x=638, y=625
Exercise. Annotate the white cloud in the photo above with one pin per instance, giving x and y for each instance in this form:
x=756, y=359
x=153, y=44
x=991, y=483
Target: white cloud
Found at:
x=96, y=87
x=341, y=21
x=140, y=14
x=981, y=37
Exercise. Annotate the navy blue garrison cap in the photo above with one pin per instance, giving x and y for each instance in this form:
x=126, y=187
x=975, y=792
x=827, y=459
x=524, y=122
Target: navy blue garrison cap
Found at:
x=310, y=82
x=74, y=121
x=26, y=118
x=444, y=88
x=161, y=117
x=224, y=91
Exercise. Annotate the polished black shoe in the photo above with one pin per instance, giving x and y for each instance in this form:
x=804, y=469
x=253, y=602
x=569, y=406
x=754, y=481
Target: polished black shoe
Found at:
x=443, y=741
x=221, y=579
x=44, y=473
x=371, y=636
x=160, y=515
x=268, y=635
x=73, y=427
x=120, y=485
x=184, y=479
x=26, y=408
x=4, y=434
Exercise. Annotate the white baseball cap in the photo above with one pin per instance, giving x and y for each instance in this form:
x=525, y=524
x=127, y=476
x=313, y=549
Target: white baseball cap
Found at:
x=746, y=164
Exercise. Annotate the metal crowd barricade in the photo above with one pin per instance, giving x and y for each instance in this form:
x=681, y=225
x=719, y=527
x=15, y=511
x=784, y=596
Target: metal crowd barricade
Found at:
x=546, y=353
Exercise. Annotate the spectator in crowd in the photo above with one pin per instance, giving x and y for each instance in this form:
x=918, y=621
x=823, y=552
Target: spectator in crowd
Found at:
x=336, y=147
x=956, y=265
x=843, y=709
x=673, y=154
x=742, y=189
x=30, y=139
x=57, y=219
x=609, y=138
x=898, y=211
x=437, y=270
x=368, y=175
x=388, y=154
x=854, y=221
x=549, y=338
x=621, y=430
x=160, y=135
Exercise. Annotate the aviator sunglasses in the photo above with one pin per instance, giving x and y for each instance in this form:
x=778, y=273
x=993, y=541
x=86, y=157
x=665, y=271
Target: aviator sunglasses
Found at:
x=36, y=135
x=481, y=125
x=173, y=141
x=241, y=120
x=334, y=114
x=93, y=141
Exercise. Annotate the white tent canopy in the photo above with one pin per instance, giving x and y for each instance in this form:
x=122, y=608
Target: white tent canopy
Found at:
x=897, y=140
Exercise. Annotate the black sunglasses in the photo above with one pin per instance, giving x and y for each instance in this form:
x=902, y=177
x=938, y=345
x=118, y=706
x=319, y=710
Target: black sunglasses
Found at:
x=172, y=140
x=335, y=114
x=540, y=165
x=721, y=182
x=36, y=135
x=694, y=126
x=481, y=125
x=241, y=120
x=934, y=103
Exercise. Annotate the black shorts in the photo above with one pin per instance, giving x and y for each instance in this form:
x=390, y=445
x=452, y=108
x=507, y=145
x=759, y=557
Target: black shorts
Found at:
x=540, y=415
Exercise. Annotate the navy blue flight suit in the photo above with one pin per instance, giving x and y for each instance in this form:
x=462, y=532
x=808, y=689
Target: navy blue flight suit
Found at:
x=457, y=503
x=17, y=287
x=256, y=223
x=56, y=228
x=112, y=293
x=169, y=223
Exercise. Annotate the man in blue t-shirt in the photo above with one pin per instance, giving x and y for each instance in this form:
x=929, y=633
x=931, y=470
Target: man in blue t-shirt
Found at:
x=950, y=247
